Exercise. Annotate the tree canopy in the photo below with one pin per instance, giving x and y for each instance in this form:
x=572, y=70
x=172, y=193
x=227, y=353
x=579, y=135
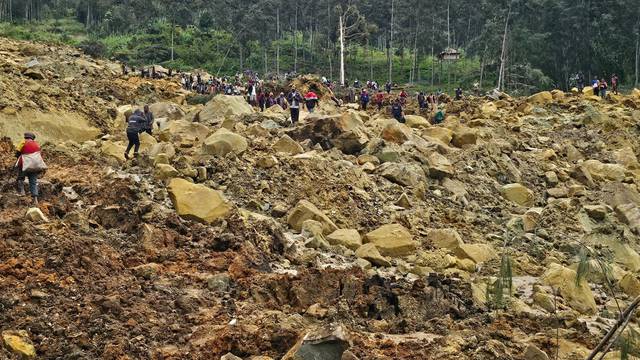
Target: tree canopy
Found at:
x=547, y=41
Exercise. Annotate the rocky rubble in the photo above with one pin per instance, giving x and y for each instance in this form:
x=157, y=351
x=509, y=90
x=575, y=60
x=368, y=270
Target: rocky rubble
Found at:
x=349, y=236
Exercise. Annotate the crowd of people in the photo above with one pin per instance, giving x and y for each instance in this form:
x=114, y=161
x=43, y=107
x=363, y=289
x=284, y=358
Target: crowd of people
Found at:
x=598, y=86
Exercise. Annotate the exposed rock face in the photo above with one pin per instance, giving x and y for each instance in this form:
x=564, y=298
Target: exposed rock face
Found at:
x=197, y=202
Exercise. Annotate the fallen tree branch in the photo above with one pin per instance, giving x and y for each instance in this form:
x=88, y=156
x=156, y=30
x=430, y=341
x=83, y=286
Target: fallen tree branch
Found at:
x=620, y=324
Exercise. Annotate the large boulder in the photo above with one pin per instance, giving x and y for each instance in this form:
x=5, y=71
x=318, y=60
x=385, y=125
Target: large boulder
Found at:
x=223, y=107
x=540, y=98
x=371, y=253
x=489, y=108
x=416, y=121
x=166, y=110
x=287, y=145
x=402, y=173
x=50, y=127
x=186, y=132
x=304, y=211
x=478, y=253
x=392, y=240
x=601, y=171
x=349, y=238
x=223, y=142
x=396, y=133
x=627, y=158
x=519, y=194
x=344, y=132
x=439, y=133
x=439, y=166
x=577, y=295
x=464, y=136
x=113, y=150
x=197, y=202
x=444, y=238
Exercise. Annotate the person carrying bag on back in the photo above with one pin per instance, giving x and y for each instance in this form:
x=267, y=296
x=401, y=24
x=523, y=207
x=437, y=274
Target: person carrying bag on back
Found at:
x=30, y=165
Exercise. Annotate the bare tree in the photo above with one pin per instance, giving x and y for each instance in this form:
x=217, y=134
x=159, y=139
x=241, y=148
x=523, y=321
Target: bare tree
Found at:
x=390, y=45
x=503, y=54
x=351, y=24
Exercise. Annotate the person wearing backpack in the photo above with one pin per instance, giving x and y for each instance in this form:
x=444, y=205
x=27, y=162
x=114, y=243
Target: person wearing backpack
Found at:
x=29, y=165
x=135, y=125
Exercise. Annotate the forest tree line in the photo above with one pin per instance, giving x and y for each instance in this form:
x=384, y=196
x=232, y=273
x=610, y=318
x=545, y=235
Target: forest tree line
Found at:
x=528, y=44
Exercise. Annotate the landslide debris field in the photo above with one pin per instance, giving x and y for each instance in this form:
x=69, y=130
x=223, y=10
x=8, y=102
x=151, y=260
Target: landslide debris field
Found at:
x=348, y=236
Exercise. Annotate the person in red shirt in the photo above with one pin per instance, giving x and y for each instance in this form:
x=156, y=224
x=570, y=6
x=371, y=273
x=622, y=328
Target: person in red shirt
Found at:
x=379, y=99
x=27, y=146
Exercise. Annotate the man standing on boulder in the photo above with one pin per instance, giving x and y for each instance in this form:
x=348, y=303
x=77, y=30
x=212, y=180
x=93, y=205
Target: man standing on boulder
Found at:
x=29, y=165
x=148, y=116
x=135, y=125
x=396, y=111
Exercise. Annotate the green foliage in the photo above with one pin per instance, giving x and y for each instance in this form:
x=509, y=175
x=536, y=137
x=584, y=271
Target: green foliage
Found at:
x=628, y=344
x=198, y=99
x=584, y=266
x=499, y=293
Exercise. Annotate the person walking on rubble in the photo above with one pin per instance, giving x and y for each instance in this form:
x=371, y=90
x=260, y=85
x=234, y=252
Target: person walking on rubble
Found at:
x=148, y=116
x=29, y=165
x=364, y=99
x=397, y=112
x=135, y=125
x=294, y=104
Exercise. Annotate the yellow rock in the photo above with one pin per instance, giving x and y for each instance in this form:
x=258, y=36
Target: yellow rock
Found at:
x=304, y=211
x=165, y=171
x=113, y=150
x=444, y=238
x=578, y=296
x=287, y=145
x=416, y=121
x=224, y=107
x=197, y=202
x=50, y=127
x=464, y=136
x=488, y=109
x=477, y=252
x=602, y=171
x=439, y=133
x=518, y=194
x=18, y=342
x=392, y=240
x=223, y=142
x=349, y=238
x=630, y=285
x=370, y=253
x=540, y=98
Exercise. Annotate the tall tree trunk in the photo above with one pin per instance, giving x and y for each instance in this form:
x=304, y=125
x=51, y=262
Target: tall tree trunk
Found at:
x=172, y=40
x=295, y=42
x=637, y=53
x=484, y=56
x=341, y=31
x=370, y=60
x=504, y=50
x=448, y=25
x=278, y=41
x=415, y=52
x=433, y=40
x=390, y=45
